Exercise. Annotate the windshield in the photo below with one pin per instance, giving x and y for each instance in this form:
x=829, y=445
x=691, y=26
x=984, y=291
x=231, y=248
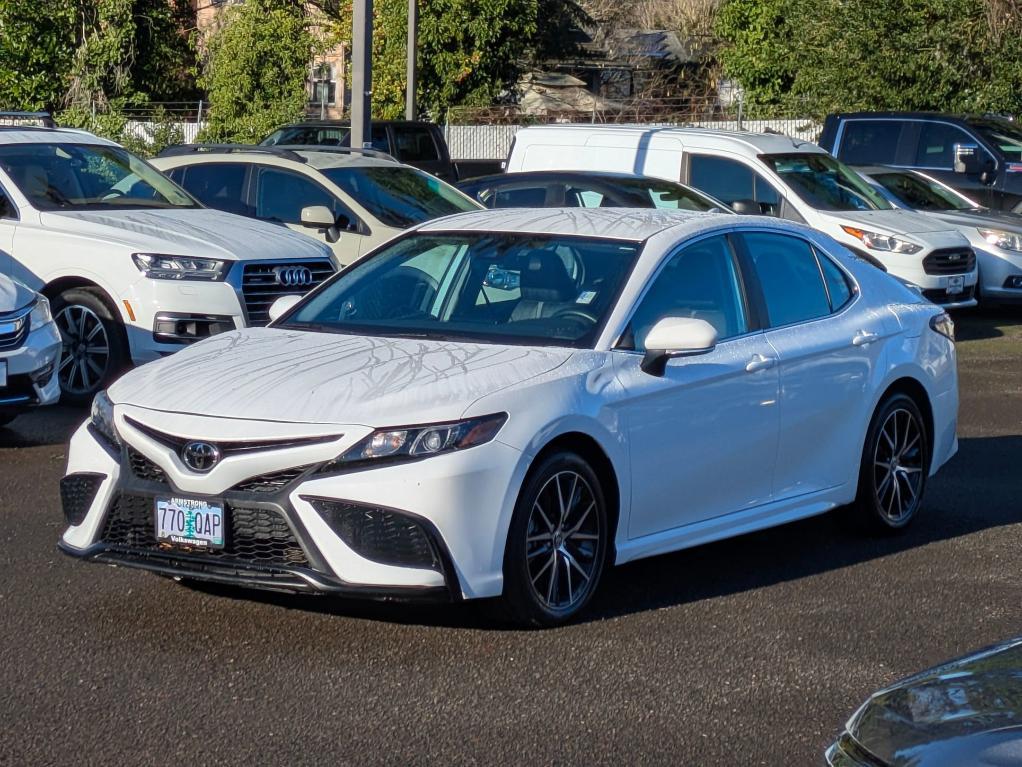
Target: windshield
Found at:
x=1005, y=135
x=399, y=196
x=921, y=193
x=825, y=183
x=663, y=194
x=88, y=177
x=538, y=290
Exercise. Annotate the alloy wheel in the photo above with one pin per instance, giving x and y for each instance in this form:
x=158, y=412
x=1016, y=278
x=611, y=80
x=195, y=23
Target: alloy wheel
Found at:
x=898, y=466
x=85, y=357
x=562, y=543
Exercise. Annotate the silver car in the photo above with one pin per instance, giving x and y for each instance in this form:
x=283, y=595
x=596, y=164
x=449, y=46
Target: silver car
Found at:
x=29, y=350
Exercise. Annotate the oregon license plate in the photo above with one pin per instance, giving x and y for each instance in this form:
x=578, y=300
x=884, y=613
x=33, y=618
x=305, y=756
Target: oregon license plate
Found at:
x=190, y=522
x=955, y=285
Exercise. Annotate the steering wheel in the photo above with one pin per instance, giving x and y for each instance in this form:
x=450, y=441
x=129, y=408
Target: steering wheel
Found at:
x=576, y=314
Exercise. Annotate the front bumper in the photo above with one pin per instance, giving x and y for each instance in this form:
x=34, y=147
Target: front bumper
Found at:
x=31, y=371
x=439, y=502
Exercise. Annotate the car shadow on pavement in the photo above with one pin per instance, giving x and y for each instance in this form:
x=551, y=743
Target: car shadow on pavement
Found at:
x=45, y=426
x=985, y=323
x=976, y=491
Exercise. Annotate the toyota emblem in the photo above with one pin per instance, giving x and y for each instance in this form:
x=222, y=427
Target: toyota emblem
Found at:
x=200, y=456
x=293, y=276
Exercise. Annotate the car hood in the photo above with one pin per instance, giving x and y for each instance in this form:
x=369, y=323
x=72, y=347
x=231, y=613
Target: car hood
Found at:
x=967, y=711
x=13, y=295
x=294, y=376
x=188, y=232
x=985, y=217
x=893, y=221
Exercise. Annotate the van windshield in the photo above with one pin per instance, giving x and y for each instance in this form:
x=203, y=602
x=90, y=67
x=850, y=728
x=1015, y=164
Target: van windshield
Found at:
x=1004, y=135
x=825, y=183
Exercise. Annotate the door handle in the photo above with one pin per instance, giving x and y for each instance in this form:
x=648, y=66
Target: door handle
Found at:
x=864, y=338
x=759, y=362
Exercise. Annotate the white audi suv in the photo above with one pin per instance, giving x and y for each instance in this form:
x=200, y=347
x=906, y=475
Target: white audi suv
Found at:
x=504, y=403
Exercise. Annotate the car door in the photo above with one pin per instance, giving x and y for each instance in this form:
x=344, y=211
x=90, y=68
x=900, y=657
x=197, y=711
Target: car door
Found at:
x=828, y=344
x=280, y=195
x=703, y=436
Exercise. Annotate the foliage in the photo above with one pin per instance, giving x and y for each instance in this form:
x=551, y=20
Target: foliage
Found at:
x=820, y=56
x=147, y=139
x=255, y=68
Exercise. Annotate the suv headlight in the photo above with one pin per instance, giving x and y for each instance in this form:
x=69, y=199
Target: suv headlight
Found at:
x=161, y=267
x=413, y=442
x=877, y=241
x=102, y=418
x=41, y=314
x=1003, y=240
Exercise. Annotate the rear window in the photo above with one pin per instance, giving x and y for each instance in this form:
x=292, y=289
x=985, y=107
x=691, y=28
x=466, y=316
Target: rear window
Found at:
x=868, y=142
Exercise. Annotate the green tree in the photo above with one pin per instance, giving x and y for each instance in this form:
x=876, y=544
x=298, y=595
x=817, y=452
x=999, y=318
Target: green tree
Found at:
x=254, y=72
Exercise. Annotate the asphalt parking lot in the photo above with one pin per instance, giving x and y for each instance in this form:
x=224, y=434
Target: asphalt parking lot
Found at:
x=750, y=651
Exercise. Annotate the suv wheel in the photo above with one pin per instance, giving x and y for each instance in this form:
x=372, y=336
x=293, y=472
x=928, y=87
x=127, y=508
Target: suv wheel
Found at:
x=95, y=349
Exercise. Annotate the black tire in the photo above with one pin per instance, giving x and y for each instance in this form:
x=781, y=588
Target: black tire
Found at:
x=574, y=547
x=85, y=370
x=894, y=467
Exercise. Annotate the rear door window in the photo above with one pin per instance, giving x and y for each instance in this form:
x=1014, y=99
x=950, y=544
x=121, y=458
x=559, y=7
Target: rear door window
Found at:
x=730, y=180
x=869, y=142
x=216, y=185
x=414, y=143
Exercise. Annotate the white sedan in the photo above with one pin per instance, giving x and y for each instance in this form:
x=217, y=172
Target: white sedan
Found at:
x=504, y=403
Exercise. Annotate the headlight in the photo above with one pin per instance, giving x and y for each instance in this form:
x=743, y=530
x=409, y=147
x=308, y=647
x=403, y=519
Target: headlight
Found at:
x=161, y=267
x=103, y=418
x=41, y=314
x=422, y=441
x=876, y=241
x=943, y=324
x=1003, y=240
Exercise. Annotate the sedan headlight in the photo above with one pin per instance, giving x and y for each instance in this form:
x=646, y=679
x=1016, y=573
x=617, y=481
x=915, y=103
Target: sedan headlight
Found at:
x=41, y=314
x=422, y=441
x=102, y=419
x=876, y=241
x=161, y=267
x=1003, y=240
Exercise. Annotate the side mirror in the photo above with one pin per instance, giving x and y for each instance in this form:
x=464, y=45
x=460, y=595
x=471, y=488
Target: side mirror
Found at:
x=676, y=337
x=747, y=208
x=319, y=216
x=966, y=158
x=282, y=306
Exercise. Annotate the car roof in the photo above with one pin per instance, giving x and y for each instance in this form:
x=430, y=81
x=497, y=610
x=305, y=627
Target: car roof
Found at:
x=589, y=175
x=631, y=224
x=310, y=157
x=761, y=143
x=24, y=134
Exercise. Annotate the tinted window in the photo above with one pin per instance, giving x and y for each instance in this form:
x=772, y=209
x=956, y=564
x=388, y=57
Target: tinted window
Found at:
x=826, y=183
x=864, y=142
x=414, y=144
x=790, y=277
x=217, y=185
x=282, y=195
x=729, y=180
x=177, y=175
x=936, y=148
x=1005, y=135
x=921, y=193
x=398, y=195
x=838, y=287
x=520, y=197
x=702, y=282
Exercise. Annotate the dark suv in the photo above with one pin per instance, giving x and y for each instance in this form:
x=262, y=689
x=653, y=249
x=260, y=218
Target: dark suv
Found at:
x=419, y=144
x=981, y=156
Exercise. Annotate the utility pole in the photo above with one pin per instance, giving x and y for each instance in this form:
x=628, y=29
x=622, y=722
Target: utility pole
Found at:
x=413, y=48
x=361, y=73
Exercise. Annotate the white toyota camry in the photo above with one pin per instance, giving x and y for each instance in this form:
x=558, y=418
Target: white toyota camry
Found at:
x=505, y=403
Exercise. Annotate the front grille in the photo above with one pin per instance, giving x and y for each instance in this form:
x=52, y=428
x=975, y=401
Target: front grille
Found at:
x=938, y=296
x=13, y=329
x=255, y=536
x=260, y=287
x=950, y=261
x=382, y=535
x=226, y=448
x=77, y=492
x=145, y=469
x=270, y=483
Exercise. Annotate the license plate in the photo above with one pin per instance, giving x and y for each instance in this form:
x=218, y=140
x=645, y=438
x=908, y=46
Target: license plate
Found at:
x=3, y=373
x=955, y=285
x=190, y=523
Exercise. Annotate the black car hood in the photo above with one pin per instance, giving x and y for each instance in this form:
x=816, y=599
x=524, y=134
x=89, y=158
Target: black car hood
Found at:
x=965, y=712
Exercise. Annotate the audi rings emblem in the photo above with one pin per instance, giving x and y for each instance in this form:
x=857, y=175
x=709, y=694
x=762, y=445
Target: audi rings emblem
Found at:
x=293, y=276
x=200, y=456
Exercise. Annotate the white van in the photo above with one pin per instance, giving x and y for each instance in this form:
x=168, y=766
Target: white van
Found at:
x=773, y=175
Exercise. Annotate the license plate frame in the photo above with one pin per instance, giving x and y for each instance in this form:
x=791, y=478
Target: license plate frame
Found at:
x=956, y=285
x=194, y=524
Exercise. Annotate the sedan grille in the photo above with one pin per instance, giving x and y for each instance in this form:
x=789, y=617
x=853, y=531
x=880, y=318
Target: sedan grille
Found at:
x=13, y=329
x=950, y=261
x=263, y=283
x=270, y=483
x=145, y=469
x=255, y=536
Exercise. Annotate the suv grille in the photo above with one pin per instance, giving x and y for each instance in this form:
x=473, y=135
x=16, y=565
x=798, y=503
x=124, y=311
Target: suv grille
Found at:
x=13, y=329
x=261, y=287
x=256, y=536
x=950, y=261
